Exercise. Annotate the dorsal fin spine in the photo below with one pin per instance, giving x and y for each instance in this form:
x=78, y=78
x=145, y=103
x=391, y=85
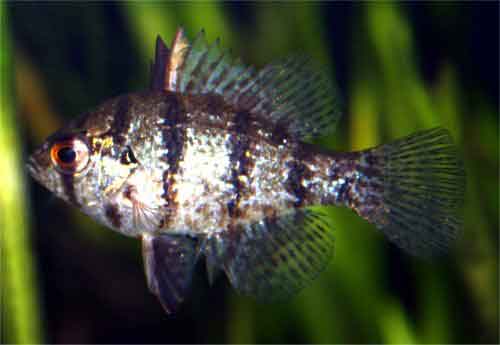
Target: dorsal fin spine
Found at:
x=243, y=74
x=226, y=70
x=208, y=63
x=178, y=53
x=248, y=82
x=196, y=55
x=183, y=79
x=159, y=65
x=214, y=53
x=211, y=69
x=193, y=84
x=219, y=73
x=265, y=80
x=231, y=78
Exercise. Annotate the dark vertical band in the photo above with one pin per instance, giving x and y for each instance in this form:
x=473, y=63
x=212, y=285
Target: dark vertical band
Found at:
x=173, y=136
x=342, y=173
x=298, y=171
x=240, y=143
x=68, y=182
x=121, y=120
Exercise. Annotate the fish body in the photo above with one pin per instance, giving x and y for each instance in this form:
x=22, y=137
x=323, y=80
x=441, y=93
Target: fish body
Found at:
x=210, y=170
x=213, y=160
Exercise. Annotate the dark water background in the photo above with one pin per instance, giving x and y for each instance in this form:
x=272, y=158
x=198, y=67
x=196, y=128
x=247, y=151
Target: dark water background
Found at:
x=398, y=67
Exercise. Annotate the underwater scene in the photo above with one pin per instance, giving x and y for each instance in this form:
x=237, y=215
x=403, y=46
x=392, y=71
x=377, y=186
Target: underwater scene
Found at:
x=306, y=172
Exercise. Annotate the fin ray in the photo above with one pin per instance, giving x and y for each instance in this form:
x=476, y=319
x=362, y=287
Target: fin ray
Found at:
x=290, y=92
x=167, y=65
x=159, y=65
x=169, y=262
x=275, y=258
x=423, y=192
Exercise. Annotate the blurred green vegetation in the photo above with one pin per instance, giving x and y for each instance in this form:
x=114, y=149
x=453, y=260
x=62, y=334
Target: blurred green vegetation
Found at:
x=20, y=321
x=370, y=292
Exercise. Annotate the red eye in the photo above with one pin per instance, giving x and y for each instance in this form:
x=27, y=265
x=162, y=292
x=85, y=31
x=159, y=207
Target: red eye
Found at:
x=69, y=155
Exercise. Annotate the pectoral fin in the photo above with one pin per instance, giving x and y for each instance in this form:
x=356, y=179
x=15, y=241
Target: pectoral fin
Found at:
x=169, y=261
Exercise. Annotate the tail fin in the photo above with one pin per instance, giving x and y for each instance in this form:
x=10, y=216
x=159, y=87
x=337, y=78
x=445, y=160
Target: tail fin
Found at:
x=422, y=184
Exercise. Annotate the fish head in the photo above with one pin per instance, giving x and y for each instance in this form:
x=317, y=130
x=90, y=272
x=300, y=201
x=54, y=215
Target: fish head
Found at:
x=84, y=163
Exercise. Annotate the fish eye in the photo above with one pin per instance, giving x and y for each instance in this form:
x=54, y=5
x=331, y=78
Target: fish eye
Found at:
x=69, y=155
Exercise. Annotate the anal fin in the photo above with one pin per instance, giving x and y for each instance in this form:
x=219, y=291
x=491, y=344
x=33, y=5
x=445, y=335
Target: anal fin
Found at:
x=169, y=261
x=275, y=258
x=213, y=248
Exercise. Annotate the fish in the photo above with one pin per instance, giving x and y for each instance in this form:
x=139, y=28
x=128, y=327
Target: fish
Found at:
x=214, y=162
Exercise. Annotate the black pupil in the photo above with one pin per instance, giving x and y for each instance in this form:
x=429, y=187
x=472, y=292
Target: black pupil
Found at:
x=66, y=155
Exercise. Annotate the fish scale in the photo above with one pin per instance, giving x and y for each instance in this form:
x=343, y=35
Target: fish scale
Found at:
x=213, y=162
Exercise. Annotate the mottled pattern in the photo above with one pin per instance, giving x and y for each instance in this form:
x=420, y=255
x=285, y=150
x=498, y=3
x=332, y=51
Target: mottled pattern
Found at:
x=240, y=160
x=203, y=183
x=173, y=129
x=266, y=193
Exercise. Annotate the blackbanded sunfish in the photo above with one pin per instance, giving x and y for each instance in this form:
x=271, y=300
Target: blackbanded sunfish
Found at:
x=214, y=161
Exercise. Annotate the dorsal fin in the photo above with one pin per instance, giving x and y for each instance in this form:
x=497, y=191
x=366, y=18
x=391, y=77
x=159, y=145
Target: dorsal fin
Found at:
x=167, y=65
x=158, y=65
x=290, y=93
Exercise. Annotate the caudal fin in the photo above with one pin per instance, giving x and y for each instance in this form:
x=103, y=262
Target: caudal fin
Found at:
x=422, y=182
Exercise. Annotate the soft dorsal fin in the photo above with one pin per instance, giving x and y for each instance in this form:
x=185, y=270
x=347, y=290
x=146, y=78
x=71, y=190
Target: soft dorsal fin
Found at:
x=290, y=93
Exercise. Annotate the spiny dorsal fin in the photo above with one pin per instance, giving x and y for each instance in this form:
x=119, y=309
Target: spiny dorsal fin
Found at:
x=167, y=65
x=158, y=66
x=290, y=93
